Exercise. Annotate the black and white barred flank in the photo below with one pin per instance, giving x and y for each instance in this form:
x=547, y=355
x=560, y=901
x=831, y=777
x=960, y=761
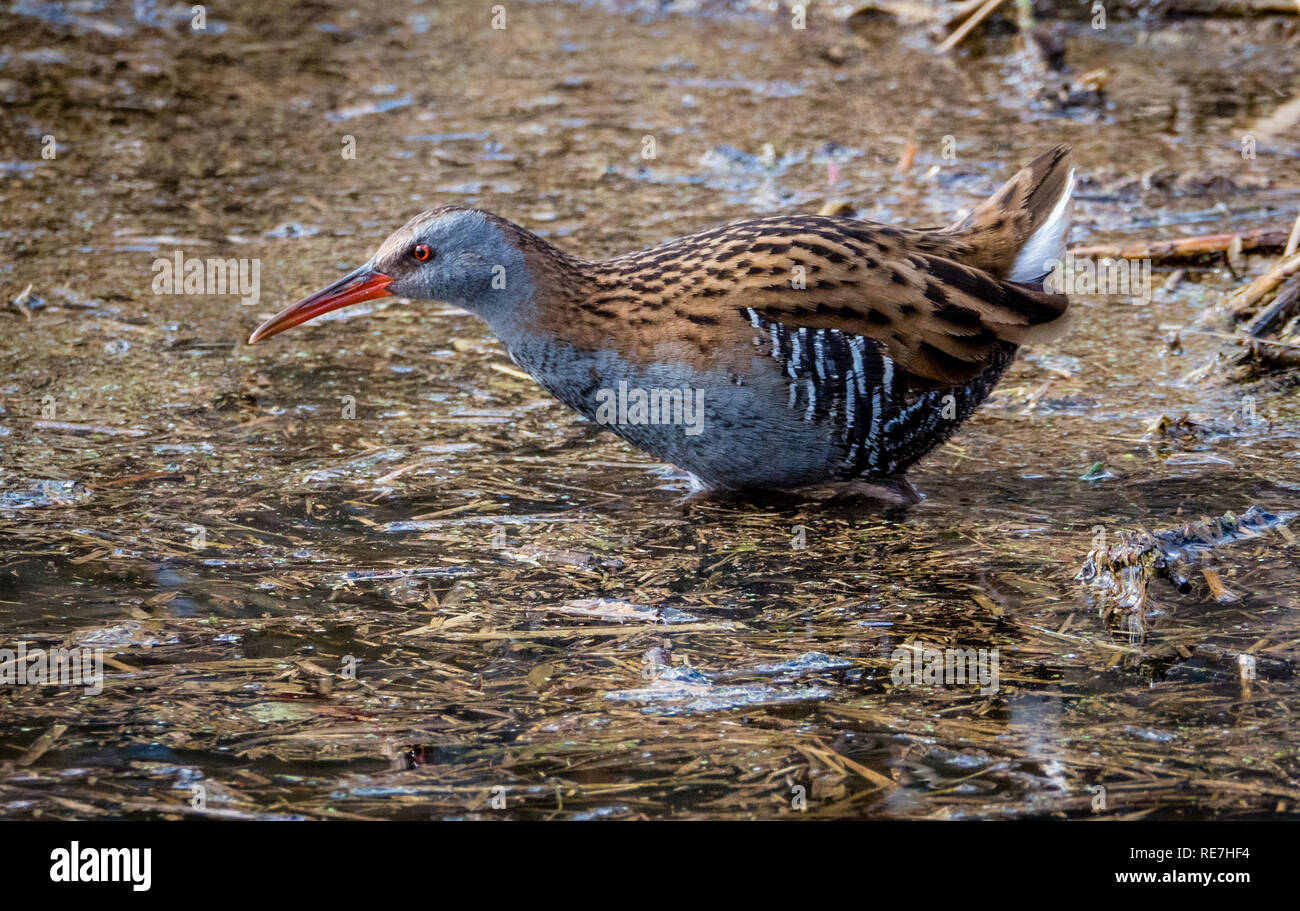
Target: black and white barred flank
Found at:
x=849, y=381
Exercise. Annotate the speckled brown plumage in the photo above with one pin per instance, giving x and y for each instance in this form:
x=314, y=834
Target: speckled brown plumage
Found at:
x=936, y=300
x=814, y=348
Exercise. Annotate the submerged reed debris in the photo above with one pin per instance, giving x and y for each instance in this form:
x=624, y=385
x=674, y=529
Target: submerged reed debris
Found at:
x=1266, y=313
x=1122, y=573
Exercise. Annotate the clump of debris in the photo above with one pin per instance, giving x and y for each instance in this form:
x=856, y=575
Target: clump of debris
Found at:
x=1122, y=573
x=1267, y=312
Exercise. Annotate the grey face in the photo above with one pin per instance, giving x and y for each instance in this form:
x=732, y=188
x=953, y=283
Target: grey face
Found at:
x=460, y=257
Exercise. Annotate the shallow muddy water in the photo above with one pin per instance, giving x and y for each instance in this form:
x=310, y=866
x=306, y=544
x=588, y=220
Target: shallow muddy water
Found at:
x=361, y=570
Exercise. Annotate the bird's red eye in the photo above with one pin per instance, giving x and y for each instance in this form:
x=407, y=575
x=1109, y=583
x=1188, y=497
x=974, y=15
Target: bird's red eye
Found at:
x=422, y=252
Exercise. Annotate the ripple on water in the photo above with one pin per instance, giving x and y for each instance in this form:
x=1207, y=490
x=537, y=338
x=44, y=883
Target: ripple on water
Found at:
x=688, y=689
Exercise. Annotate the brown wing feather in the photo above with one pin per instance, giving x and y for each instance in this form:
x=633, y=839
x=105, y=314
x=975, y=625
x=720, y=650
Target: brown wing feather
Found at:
x=939, y=320
x=924, y=295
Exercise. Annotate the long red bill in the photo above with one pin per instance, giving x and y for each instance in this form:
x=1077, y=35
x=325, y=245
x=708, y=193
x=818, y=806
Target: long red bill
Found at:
x=364, y=284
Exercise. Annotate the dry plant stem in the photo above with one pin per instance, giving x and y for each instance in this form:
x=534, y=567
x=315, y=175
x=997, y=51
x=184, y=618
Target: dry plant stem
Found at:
x=1025, y=16
x=1244, y=339
x=1256, y=290
x=1279, y=311
x=907, y=159
x=963, y=11
x=915, y=11
x=1187, y=247
x=1293, y=242
x=968, y=26
x=1234, y=9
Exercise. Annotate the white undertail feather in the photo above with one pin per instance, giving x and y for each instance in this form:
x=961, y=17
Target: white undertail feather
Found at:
x=1046, y=246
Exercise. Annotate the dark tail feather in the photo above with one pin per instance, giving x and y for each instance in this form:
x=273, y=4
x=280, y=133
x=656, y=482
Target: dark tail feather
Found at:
x=1020, y=228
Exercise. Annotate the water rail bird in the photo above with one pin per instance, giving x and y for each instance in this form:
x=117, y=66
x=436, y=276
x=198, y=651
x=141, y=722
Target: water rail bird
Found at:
x=784, y=351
